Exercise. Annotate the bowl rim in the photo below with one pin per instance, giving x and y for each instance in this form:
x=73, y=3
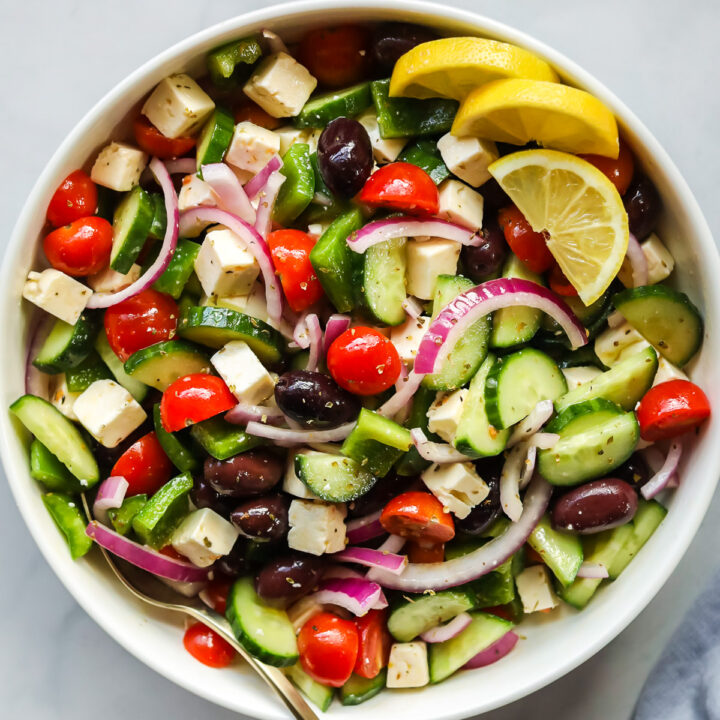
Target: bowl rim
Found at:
x=433, y=13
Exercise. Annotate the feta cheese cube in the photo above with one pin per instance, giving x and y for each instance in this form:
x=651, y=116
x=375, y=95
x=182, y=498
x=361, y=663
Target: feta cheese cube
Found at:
x=290, y=135
x=243, y=373
x=110, y=281
x=457, y=486
x=406, y=337
x=468, y=157
x=178, y=106
x=301, y=611
x=385, y=150
x=316, y=528
x=576, y=376
x=195, y=192
x=292, y=484
x=108, y=412
x=57, y=293
x=252, y=147
x=186, y=589
x=118, y=167
x=204, y=536
x=616, y=344
x=224, y=265
x=62, y=398
x=659, y=261
x=445, y=413
x=280, y=85
x=408, y=665
x=318, y=228
x=535, y=589
x=426, y=260
x=461, y=204
x=667, y=371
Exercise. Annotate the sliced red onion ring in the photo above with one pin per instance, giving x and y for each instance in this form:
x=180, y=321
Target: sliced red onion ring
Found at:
x=181, y=166
x=244, y=413
x=357, y=595
x=658, y=482
x=256, y=184
x=110, y=494
x=301, y=333
x=538, y=416
x=316, y=341
x=411, y=305
x=299, y=437
x=369, y=557
x=528, y=466
x=468, y=307
x=229, y=190
x=638, y=262
x=402, y=397
x=419, y=577
x=329, y=448
x=365, y=528
x=167, y=249
x=406, y=226
x=36, y=381
x=393, y=544
x=274, y=42
x=448, y=631
x=593, y=571
x=510, y=500
x=144, y=557
x=435, y=452
x=543, y=440
x=266, y=203
x=335, y=326
x=498, y=650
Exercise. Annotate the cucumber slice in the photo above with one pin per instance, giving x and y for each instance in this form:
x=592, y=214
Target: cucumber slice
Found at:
x=225, y=62
x=359, y=689
x=122, y=517
x=82, y=376
x=107, y=201
x=59, y=436
x=67, y=345
x=318, y=111
x=159, y=221
x=411, y=463
x=333, y=478
x=415, y=614
x=376, y=442
x=163, y=512
x=217, y=326
x=583, y=415
x=48, y=470
x=70, y=521
x=215, y=138
x=299, y=187
x=447, y=657
x=425, y=154
x=517, y=383
x=321, y=695
x=562, y=552
x=475, y=436
x=624, y=384
x=161, y=364
x=221, y=439
x=265, y=632
x=137, y=389
x=382, y=283
x=179, y=270
x=665, y=318
x=131, y=226
x=180, y=456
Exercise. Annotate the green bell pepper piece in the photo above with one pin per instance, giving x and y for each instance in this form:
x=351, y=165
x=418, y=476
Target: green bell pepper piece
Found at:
x=425, y=154
x=227, y=62
x=299, y=187
x=70, y=521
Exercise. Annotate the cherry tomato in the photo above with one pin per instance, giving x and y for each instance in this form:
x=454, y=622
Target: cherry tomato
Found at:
x=171, y=552
x=144, y=465
x=153, y=142
x=532, y=556
x=205, y=645
x=192, y=399
x=75, y=198
x=423, y=552
x=336, y=56
x=328, y=647
x=290, y=250
x=670, y=409
x=528, y=245
x=140, y=321
x=375, y=641
x=559, y=284
x=248, y=111
x=401, y=186
x=501, y=611
x=418, y=516
x=81, y=248
x=619, y=170
x=363, y=361
x=217, y=591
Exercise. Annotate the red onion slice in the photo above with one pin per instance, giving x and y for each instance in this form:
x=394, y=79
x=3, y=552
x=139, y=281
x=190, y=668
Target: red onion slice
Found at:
x=256, y=184
x=110, y=494
x=181, y=166
x=638, y=262
x=372, y=558
x=316, y=341
x=595, y=571
x=336, y=325
x=419, y=577
x=402, y=397
x=498, y=650
x=538, y=416
x=435, y=452
x=273, y=42
x=357, y=595
x=244, y=413
x=266, y=203
x=37, y=382
x=393, y=544
x=411, y=305
x=510, y=500
x=230, y=193
x=299, y=437
x=658, y=482
x=365, y=528
x=448, y=631
x=528, y=466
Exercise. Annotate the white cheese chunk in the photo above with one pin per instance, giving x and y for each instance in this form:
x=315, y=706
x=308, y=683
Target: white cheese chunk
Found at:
x=111, y=281
x=243, y=373
x=195, y=192
x=290, y=135
x=616, y=344
x=659, y=261
x=57, y=293
x=576, y=376
x=178, y=106
x=252, y=147
x=535, y=589
x=468, y=157
x=445, y=413
x=316, y=528
x=667, y=371
x=461, y=204
x=224, y=265
x=118, y=167
x=426, y=260
x=63, y=398
x=385, y=150
x=204, y=536
x=280, y=85
x=457, y=486
x=406, y=337
x=108, y=412
x=408, y=665
x=186, y=589
x=292, y=484
x=317, y=228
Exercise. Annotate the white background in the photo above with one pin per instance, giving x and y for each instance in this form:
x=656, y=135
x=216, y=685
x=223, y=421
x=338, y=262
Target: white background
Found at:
x=58, y=57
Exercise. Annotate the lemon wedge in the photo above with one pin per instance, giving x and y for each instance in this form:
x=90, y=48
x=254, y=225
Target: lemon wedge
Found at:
x=452, y=67
x=557, y=116
x=578, y=208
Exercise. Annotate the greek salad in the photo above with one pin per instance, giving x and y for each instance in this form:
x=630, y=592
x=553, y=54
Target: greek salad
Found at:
x=366, y=341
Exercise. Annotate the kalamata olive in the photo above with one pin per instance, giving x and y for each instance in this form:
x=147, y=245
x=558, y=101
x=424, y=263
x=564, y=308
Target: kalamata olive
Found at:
x=643, y=204
x=315, y=400
x=494, y=197
x=487, y=258
x=203, y=495
x=289, y=577
x=265, y=517
x=235, y=562
x=482, y=516
x=384, y=490
x=634, y=471
x=595, y=506
x=345, y=156
x=393, y=39
x=254, y=472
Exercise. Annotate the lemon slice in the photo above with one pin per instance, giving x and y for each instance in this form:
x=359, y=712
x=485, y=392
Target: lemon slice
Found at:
x=452, y=67
x=557, y=116
x=579, y=209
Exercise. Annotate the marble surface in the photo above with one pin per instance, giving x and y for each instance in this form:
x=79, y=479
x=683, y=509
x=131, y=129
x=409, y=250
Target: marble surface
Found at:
x=59, y=58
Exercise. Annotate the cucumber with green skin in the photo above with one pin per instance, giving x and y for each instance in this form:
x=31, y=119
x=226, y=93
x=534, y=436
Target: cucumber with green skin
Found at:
x=332, y=477
x=68, y=345
x=214, y=138
x=159, y=221
x=181, y=266
x=137, y=389
x=48, y=470
x=425, y=154
x=318, y=111
x=562, y=552
x=411, y=463
x=221, y=439
x=163, y=512
x=70, y=521
x=161, y=364
x=132, y=221
x=380, y=281
x=299, y=187
x=182, y=457
x=317, y=693
x=122, y=517
x=82, y=376
x=359, y=689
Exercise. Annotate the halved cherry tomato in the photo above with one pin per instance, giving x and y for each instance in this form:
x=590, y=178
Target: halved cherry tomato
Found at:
x=153, y=142
x=205, y=645
x=81, y=248
x=528, y=245
x=559, y=284
x=336, y=56
x=418, y=516
x=75, y=198
x=401, y=186
x=171, y=552
x=363, y=361
x=375, y=642
x=532, y=556
x=248, y=111
x=328, y=647
x=423, y=552
x=290, y=250
x=501, y=611
x=618, y=170
x=144, y=465
x=192, y=399
x=140, y=321
x=217, y=591
x=671, y=409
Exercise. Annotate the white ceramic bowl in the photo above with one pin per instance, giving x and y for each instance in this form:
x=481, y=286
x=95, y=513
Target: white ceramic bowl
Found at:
x=554, y=645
